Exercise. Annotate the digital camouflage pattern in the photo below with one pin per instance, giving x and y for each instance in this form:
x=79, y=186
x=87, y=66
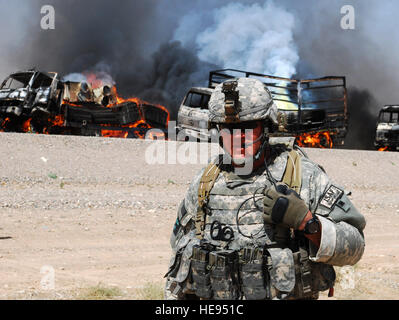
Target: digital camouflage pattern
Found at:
x=348, y=248
x=282, y=271
x=236, y=202
x=342, y=225
x=256, y=102
x=252, y=273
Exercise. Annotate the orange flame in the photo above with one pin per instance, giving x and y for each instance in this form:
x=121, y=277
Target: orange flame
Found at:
x=139, y=124
x=316, y=140
x=26, y=126
x=57, y=121
x=157, y=135
x=4, y=124
x=383, y=149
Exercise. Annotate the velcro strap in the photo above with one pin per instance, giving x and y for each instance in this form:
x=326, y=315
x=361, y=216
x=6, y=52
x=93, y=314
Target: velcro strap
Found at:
x=252, y=267
x=292, y=175
x=206, y=184
x=306, y=274
x=175, y=288
x=230, y=112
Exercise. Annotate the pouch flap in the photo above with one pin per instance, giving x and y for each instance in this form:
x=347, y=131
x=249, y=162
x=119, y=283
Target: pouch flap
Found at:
x=177, y=252
x=282, y=270
x=186, y=261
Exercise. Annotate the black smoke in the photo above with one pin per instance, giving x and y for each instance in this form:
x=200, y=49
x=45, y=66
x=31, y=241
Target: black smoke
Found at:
x=362, y=119
x=172, y=70
x=129, y=40
x=134, y=41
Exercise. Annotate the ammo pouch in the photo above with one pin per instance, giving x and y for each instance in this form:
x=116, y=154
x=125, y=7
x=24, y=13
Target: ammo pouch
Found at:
x=280, y=263
x=312, y=277
x=303, y=273
x=254, y=281
x=200, y=274
x=223, y=274
x=179, y=266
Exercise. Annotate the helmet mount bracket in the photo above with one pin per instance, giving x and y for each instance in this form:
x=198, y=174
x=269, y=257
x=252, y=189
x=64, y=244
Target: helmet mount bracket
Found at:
x=231, y=101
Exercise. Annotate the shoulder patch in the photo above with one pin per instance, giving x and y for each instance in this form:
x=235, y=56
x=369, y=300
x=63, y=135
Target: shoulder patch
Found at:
x=331, y=196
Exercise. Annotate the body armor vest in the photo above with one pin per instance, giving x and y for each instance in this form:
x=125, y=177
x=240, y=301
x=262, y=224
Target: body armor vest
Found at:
x=224, y=268
x=237, y=203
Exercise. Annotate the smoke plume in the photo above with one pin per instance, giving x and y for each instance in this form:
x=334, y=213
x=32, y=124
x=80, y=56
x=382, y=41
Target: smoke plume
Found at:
x=157, y=49
x=256, y=37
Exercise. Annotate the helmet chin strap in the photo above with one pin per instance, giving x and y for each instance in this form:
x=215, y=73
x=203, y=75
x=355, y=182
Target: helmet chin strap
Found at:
x=265, y=141
x=262, y=148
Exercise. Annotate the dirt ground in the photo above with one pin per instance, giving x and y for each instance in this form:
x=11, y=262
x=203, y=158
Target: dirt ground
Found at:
x=87, y=212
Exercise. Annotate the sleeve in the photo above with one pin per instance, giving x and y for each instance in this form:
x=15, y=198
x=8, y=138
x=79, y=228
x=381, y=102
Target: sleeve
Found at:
x=182, y=241
x=178, y=228
x=186, y=212
x=341, y=244
x=342, y=240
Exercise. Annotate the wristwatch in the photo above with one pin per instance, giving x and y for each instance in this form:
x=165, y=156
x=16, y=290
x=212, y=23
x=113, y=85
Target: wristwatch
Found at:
x=312, y=226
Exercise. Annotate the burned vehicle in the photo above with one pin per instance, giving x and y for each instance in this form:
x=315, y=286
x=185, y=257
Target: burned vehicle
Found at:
x=101, y=112
x=34, y=101
x=314, y=110
x=193, y=116
x=387, y=131
x=29, y=96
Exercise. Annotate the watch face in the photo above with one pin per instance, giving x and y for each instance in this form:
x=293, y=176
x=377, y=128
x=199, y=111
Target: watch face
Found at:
x=312, y=226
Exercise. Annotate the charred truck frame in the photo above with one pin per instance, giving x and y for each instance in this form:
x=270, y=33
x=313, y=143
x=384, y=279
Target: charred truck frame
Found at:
x=307, y=108
x=33, y=101
x=29, y=95
x=92, y=112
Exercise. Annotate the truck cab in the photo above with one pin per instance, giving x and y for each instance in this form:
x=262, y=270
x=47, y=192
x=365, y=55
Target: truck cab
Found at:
x=387, y=131
x=29, y=94
x=193, y=115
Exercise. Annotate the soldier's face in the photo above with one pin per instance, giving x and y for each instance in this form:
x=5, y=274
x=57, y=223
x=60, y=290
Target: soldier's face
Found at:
x=242, y=140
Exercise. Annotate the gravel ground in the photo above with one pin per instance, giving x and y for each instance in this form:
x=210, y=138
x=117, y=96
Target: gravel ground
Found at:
x=93, y=210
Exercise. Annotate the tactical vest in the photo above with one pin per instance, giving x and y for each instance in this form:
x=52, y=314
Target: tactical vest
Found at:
x=219, y=197
x=224, y=269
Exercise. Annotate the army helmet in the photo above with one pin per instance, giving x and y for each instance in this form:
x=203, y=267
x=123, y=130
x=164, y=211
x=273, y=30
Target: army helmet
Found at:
x=241, y=100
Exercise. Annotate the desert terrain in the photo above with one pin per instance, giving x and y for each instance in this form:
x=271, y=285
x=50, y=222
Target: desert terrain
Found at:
x=90, y=218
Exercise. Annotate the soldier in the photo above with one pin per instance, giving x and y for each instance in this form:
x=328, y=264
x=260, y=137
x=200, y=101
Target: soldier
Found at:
x=274, y=232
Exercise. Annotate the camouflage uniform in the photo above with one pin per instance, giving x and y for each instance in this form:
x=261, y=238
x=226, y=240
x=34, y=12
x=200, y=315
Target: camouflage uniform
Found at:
x=266, y=261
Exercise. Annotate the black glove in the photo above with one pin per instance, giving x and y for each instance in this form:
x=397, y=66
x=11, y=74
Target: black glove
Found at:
x=283, y=206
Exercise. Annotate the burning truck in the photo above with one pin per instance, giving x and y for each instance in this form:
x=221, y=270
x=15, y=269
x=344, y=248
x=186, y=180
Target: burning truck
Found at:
x=35, y=101
x=387, y=131
x=27, y=97
x=313, y=110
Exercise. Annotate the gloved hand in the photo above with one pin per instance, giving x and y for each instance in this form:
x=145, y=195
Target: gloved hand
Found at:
x=283, y=206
